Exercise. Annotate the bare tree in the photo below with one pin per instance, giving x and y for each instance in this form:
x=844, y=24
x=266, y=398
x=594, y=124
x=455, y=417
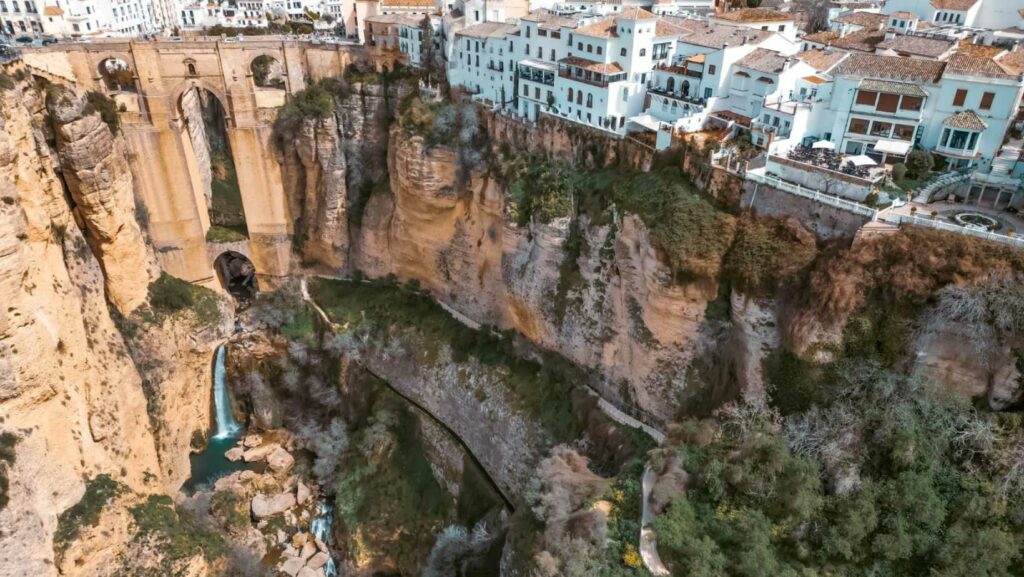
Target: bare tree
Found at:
x=816, y=12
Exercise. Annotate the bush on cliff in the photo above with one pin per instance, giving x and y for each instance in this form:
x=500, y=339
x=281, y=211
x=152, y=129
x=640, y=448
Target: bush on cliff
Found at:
x=7, y=442
x=169, y=295
x=97, y=102
x=176, y=535
x=768, y=254
x=314, y=102
x=86, y=513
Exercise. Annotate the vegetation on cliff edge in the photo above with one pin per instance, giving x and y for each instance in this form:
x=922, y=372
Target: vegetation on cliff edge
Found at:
x=99, y=491
x=8, y=441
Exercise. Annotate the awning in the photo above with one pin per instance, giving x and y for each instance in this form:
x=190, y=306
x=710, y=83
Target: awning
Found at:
x=861, y=160
x=647, y=121
x=896, y=147
x=825, y=144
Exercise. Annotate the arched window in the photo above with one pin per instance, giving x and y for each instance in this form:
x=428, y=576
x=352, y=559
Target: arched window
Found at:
x=590, y=100
x=192, y=69
x=670, y=84
x=622, y=52
x=643, y=52
x=570, y=96
x=579, y=98
x=686, y=88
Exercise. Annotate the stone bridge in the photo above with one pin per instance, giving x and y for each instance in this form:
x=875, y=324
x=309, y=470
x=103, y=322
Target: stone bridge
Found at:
x=171, y=179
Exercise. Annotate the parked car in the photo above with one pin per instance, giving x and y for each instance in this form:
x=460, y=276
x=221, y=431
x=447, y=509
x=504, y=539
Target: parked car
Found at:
x=24, y=40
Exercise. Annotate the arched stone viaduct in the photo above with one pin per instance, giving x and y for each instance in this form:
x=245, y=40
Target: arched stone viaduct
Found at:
x=167, y=176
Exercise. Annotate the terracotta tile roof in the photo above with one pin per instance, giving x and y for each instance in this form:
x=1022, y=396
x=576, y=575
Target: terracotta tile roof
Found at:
x=407, y=19
x=890, y=87
x=732, y=116
x=408, y=3
x=605, y=28
x=754, y=15
x=823, y=37
x=599, y=67
x=815, y=79
x=636, y=13
x=717, y=37
x=891, y=68
x=959, y=5
x=763, y=60
x=1012, y=62
x=967, y=120
x=685, y=23
x=904, y=15
x=966, y=64
x=971, y=49
x=663, y=29
x=917, y=46
x=868, y=20
x=861, y=40
x=487, y=30
x=53, y=11
x=821, y=60
x=551, y=21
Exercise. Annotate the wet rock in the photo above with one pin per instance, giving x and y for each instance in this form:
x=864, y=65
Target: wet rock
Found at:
x=234, y=453
x=251, y=441
x=317, y=561
x=302, y=493
x=308, y=550
x=270, y=505
x=282, y=537
x=280, y=460
x=292, y=566
x=260, y=453
x=307, y=572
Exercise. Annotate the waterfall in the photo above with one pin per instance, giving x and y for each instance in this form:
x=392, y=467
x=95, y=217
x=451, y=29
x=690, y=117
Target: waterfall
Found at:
x=227, y=426
x=321, y=529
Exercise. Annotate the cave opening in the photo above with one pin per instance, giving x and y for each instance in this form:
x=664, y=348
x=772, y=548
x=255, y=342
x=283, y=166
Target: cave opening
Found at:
x=206, y=120
x=237, y=275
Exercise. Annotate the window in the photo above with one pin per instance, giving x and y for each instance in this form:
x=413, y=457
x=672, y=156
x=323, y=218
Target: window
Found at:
x=903, y=132
x=590, y=47
x=570, y=96
x=866, y=97
x=782, y=27
x=553, y=54
x=888, y=102
x=911, y=103
x=622, y=52
x=643, y=52
x=579, y=46
x=960, y=97
x=986, y=100
x=707, y=93
x=600, y=50
x=540, y=52
x=527, y=31
x=881, y=128
x=526, y=50
x=536, y=93
x=590, y=101
x=711, y=70
x=526, y=90
x=858, y=126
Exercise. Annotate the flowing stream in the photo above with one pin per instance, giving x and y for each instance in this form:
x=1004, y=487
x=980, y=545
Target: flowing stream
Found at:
x=227, y=426
x=321, y=529
x=210, y=464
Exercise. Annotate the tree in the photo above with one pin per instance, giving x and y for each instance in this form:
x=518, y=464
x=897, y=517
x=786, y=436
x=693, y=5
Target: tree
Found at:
x=816, y=12
x=919, y=163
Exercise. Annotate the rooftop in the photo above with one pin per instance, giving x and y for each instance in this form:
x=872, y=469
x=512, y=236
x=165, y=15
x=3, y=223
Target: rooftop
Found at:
x=967, y=120
x=821, y=60
x=861, y=40
x=605, y=28
x=822, y=37
x=408, y=3
x=891, y=68
x=968, y=65
x=1012, y=62
x=550, y=20
x=904, y=15
x=891, y=87
x=599, y=67
x=918, y=46
x=870, y=20
x=746, y=15
x=487, y=30
x=959, y=5
x=764, y=60
x=718, y=37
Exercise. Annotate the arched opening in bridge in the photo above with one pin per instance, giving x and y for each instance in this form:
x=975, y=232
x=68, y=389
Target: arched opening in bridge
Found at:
x=237, y=275
x=267, y=72
x=117, y=75
x=206, y=121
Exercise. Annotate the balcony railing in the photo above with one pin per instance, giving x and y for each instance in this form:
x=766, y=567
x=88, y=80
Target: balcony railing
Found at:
x=662, y=91
x=599, y=81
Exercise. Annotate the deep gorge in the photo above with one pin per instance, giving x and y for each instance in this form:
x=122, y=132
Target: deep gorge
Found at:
x=483, y=284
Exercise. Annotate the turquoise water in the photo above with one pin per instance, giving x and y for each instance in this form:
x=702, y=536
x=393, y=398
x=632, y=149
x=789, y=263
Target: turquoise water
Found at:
x=210, y=464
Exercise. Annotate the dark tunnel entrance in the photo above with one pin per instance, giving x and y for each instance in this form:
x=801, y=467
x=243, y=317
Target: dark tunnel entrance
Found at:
x=237, y=275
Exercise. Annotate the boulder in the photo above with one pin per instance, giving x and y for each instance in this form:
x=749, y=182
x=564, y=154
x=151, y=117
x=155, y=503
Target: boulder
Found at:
x=280, y=460
x=292, y=566
x=321, y=545
x=298, y=540
x=307, y=572
x=251, y=441
x=234, y=453
x=289, y=551
x=317, y=561
x=282, y=537
x=308, y=550
x=260, y=453
x=302, y=493
x=270, y=505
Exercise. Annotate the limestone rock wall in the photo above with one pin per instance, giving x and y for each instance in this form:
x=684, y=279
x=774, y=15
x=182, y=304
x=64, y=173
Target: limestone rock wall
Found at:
x=626, y=318
x=95, y=168
x=192, y=110
x=71, y=389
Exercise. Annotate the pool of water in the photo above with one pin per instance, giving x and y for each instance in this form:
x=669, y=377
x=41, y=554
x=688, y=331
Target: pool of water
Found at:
x=210, y=464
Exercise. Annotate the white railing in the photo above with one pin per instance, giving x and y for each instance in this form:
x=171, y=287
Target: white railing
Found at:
x=950, y=227
x=793, y=188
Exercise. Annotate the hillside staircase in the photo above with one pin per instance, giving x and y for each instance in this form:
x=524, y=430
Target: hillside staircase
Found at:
x=924, y=196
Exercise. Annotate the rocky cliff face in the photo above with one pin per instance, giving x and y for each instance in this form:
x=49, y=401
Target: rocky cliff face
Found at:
x=625, y=318
x=96, y=171
x=69, y=388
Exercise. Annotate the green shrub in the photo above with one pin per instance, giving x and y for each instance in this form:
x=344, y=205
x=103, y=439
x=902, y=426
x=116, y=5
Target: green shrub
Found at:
x=217, y=233
x=231, y=509
x=106, y=107
x=541, y=191
x=86, y=513
x=768, y=254
x=6, y=82
x=7, y=442
x=8, y=200
x=312, y=103
x=919, y=163
x=178, y=537
x=899, y=171
x=169, y=295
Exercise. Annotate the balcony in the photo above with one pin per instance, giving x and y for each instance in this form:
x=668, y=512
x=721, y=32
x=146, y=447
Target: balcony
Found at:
x=676, y=94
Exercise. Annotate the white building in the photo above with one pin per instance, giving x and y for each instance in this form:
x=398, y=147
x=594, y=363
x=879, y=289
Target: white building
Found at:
x=991, y=14
x=760, y=19
x=79, y=18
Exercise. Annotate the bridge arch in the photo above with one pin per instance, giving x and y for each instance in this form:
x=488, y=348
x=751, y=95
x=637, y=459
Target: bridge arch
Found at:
x=117, y=74
x=267, y=70
x=237, y=275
